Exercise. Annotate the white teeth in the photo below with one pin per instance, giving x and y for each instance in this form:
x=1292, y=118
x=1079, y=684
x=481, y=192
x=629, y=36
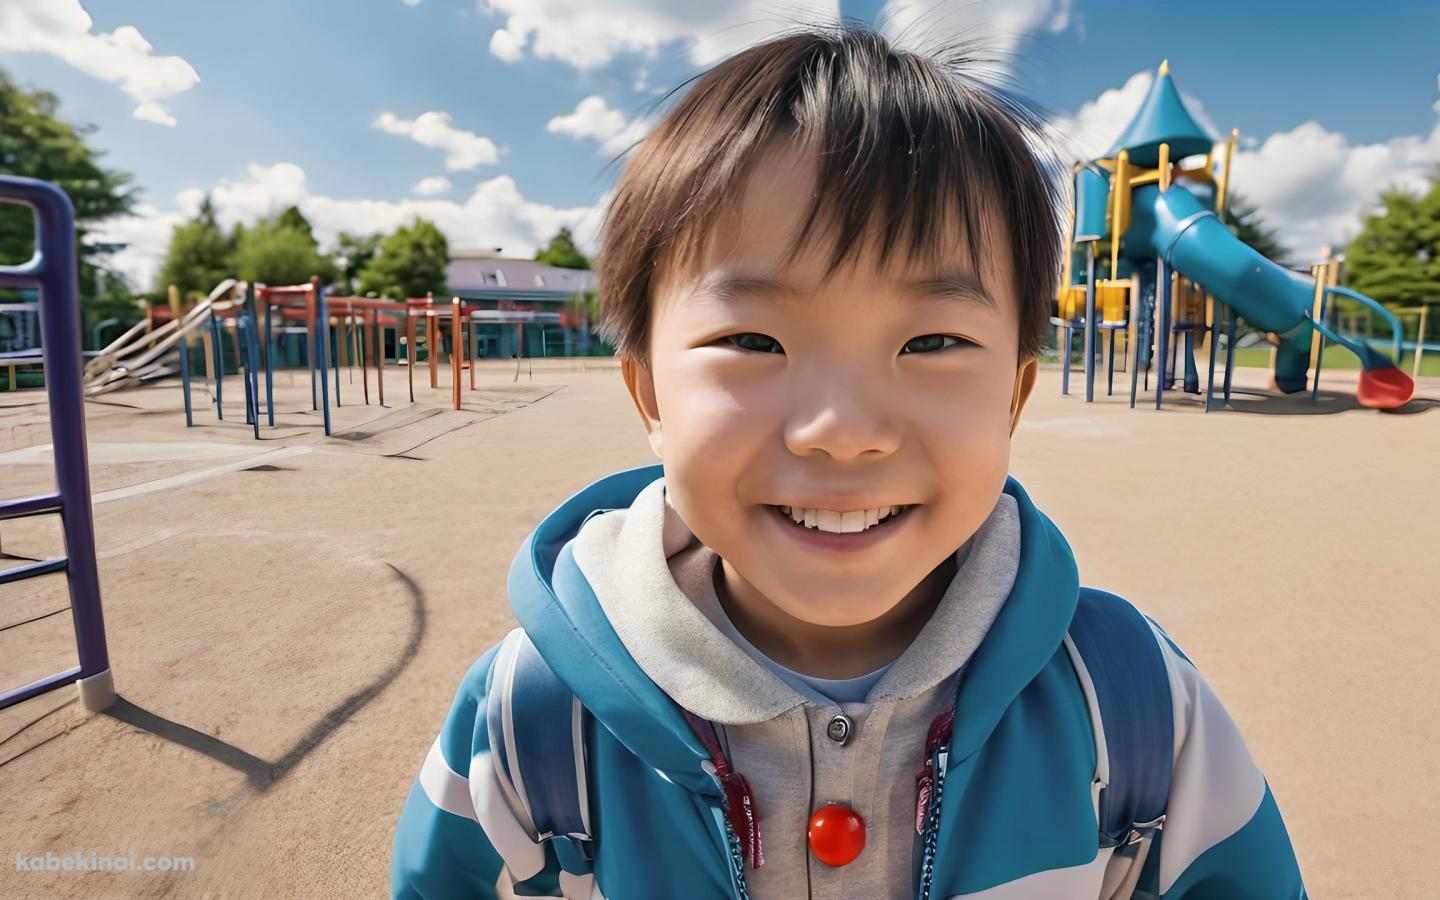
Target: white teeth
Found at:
x=850, y=522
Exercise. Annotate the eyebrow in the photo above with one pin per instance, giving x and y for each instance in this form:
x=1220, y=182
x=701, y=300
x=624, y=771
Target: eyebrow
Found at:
x=948, y=288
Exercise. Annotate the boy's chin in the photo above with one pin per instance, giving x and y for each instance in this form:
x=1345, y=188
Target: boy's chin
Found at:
x=837, y=614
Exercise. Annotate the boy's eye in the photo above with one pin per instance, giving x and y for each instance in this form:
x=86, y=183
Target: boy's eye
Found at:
x=930, y=343
x=752, y=341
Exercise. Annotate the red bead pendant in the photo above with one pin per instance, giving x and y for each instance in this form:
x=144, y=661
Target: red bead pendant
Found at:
x=836, y=835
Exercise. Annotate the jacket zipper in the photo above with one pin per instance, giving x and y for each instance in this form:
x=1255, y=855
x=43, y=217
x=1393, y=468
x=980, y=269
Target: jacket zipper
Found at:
x=737, y=860
x=930, y=839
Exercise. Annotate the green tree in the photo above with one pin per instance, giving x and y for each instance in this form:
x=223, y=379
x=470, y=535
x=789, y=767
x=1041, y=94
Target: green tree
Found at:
x=562, y=252
x=274, y=252
x=36, y=144
x=353, y=253
x=1243, y=219
x=199, y=256
x=292, y=218
x=115, y=300
x=1396, y=256
x=408, y=263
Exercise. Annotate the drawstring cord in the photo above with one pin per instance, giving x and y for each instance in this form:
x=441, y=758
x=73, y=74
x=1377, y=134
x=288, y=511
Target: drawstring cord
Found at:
x=740, y=807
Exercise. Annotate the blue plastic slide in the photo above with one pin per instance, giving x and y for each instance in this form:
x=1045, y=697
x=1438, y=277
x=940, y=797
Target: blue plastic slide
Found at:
x=1174, y=225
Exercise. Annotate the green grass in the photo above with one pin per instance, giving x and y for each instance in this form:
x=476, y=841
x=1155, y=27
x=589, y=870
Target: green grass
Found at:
x=1337, y=358
x=1259, y=358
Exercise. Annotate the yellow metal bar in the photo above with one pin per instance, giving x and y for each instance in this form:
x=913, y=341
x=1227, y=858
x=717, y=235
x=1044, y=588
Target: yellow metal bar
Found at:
x=1120, y=197
x=1069, y=253
x=1419, y=342
x=1164, y=167
x=174, y=297
x=1321, y=272
x=1223, y=187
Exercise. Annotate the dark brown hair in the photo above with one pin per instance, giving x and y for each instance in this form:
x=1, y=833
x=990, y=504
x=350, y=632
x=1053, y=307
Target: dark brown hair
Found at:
x=904, y=143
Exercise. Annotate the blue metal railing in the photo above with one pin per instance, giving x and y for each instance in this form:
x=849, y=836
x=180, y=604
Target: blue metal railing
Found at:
x=52, y=272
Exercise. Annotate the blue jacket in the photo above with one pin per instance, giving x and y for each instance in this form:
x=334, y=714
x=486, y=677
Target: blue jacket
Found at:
x=1018, y=813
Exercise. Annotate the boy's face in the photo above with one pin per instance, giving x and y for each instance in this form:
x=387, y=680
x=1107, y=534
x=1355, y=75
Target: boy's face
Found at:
x=775, y=384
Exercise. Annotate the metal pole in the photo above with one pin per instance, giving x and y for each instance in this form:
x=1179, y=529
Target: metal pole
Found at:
x=1065, y=359
x=379, y=357
x=324, y=315
x=365, y=345
x=1231, y=320
x=410, y=350
x=1214, y=339
x=336, y=351
x=269, y=362
x=184, y=358
x=218, y=351
x=456, y=349
x=1089, y=323
x=1162, y=297
x=312, y=344
x=474, y=349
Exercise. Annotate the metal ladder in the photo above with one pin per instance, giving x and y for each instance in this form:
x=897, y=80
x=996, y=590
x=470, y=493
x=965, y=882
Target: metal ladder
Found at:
x=52, y=272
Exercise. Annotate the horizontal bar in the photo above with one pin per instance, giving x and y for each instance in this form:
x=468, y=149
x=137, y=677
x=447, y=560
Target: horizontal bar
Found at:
x=43, y=567
x=30, y=506
x=36, y=688
x=28, y=275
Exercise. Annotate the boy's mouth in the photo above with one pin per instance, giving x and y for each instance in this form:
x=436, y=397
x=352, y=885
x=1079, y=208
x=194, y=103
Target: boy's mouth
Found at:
x=833, y=522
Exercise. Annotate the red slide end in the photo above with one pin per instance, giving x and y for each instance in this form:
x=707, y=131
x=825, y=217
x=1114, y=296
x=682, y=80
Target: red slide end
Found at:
x=1385, y=388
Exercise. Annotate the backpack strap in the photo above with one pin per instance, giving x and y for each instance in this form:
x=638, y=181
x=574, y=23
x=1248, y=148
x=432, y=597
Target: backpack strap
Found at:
x=537, y=738
x=1127, y=689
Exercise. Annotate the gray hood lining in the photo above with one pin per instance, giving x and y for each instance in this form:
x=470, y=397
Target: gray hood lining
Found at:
x=654, y=582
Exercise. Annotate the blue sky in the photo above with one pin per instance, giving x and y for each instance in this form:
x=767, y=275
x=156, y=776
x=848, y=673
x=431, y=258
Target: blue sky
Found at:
x=346, y=108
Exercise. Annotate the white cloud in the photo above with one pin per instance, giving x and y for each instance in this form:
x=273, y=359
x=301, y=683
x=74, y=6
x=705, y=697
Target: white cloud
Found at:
x=495, y=214
x=435, y=184
x=506, y=47
x=594, y=120
x=411, y=2
x=591, y=119
x=1314, y=186
x=590, y=33
x=151, y=111
x=123, y=56
x=147, y=235
x=463, y=149
x=995, y=27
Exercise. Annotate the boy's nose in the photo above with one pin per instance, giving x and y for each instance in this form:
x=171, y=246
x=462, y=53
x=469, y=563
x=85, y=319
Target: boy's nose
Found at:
x=844, y=428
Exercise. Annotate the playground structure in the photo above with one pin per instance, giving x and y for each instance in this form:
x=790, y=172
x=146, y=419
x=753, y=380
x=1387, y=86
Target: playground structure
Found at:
x=52, y=272
x=1176, y=273
x=263, y=323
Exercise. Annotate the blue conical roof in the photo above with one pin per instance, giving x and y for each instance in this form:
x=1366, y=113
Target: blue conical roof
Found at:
x=1162, y=119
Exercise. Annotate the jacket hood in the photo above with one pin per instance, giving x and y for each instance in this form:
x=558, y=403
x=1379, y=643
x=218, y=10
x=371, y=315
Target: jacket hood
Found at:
x=558, y=608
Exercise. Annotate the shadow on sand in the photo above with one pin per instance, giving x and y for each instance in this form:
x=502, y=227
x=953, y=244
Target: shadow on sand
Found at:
x=1274, y=403
x=261, y=774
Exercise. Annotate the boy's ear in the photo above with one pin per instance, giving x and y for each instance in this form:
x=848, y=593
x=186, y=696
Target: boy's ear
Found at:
x=1024, y=384
x=641, y=383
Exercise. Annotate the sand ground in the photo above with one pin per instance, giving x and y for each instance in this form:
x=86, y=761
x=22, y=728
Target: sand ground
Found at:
x=288, y=619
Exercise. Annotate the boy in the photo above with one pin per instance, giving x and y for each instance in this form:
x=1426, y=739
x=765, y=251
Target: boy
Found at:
x=829, y=650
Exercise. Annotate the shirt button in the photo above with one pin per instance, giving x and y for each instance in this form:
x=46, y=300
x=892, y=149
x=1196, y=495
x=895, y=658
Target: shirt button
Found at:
x=839, y=729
